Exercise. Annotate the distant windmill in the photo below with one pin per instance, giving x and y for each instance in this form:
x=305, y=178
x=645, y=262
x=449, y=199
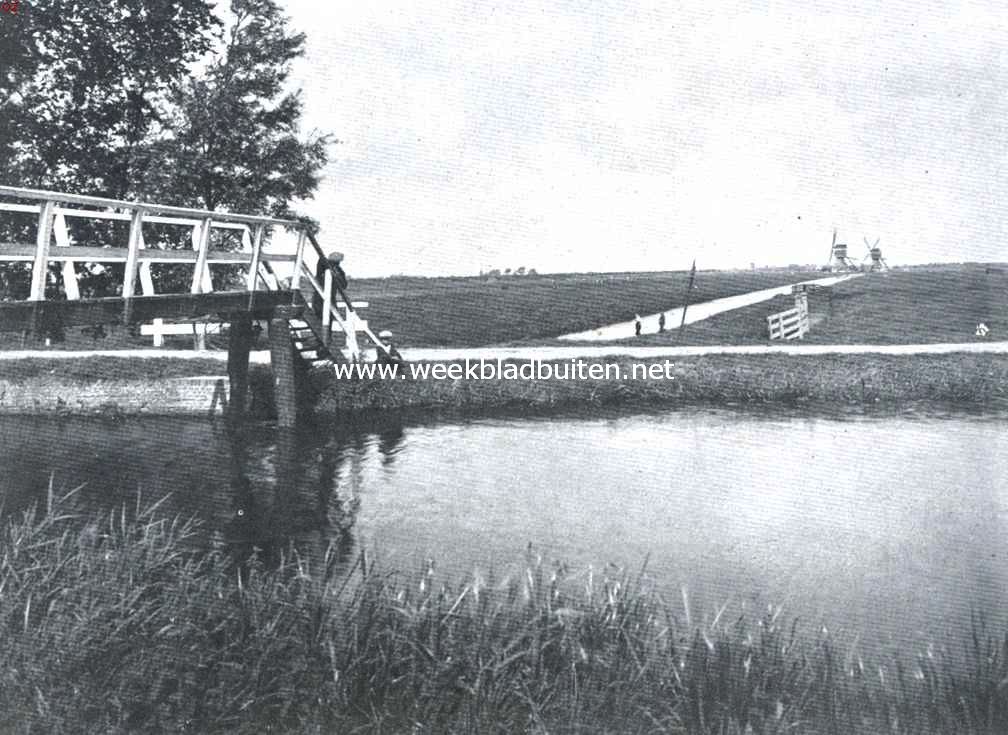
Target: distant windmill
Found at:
x=838, y=257
x=875, y=253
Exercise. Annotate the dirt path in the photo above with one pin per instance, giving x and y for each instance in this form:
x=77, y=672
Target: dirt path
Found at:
x=694, y=313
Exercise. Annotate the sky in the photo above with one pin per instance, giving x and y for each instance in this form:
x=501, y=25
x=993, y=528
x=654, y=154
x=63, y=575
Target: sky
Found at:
x=639, y=135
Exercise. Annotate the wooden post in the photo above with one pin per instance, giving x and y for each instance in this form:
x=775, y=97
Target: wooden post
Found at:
x=70, y=285
x=132, y=263
x=689, y=287
x=285, y=378
x=327, y=289
x=239, y=345
x=146, y=279
x=298, y=261
x=256, y=254
x=133, y=254
x=158, y=334
x=202, y=245
x=40, y=263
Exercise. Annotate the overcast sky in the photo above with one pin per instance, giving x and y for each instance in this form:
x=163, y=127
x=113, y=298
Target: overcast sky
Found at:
x=572, y=136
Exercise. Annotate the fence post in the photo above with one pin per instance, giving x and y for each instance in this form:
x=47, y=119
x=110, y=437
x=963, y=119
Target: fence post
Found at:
x=327, y=289
x=158, y=334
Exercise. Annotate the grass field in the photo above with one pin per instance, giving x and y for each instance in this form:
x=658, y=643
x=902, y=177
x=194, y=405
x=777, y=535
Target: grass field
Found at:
x=939, y=304
x=942, y=304
x=121, y=624
x=470, y=312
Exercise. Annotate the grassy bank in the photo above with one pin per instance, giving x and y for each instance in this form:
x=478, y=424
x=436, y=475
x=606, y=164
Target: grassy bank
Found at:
x=470, y=312
x=901, y=307
x=962, y=379
x=114, y=624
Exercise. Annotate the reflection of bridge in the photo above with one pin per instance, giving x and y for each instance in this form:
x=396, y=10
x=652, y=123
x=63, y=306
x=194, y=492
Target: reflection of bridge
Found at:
x=299, y=339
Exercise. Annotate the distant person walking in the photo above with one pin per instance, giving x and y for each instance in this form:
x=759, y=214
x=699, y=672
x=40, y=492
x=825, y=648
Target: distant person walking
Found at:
x=661, y=322
x=332, y=261
x=637, y=325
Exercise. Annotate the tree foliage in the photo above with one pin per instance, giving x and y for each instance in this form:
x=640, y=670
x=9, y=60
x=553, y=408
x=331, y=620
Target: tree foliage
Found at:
x=151, y=100
x=91, y=86
x=237, y=143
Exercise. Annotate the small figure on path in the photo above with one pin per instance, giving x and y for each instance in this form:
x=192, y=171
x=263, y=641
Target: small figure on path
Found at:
x=982, y=330
x=637, y=325
x=339, y=278
x=661, y=322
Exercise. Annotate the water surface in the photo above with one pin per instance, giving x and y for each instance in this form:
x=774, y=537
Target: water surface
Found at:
x=885, y=527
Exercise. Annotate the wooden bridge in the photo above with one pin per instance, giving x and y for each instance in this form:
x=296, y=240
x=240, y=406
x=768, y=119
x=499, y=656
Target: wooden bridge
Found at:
x=299, y=338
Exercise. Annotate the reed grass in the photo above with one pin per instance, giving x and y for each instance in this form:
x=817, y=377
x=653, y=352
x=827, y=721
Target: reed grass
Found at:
x=119, y=624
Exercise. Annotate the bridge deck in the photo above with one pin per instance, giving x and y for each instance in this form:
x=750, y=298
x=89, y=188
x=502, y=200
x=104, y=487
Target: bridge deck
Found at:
x=19, y=315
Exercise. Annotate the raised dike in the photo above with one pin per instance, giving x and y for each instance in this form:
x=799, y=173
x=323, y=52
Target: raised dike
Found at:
x=181, y=387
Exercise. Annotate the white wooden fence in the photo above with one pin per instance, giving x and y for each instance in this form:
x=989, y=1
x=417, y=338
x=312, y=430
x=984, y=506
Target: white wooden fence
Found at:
x=793, y=323
x=159, y=329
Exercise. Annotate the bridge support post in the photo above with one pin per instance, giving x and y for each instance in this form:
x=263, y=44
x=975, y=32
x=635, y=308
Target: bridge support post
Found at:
x=239, y=345
x=288, y=382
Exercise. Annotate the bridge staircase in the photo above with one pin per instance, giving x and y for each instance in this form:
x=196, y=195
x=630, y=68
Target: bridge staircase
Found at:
x=299, y=339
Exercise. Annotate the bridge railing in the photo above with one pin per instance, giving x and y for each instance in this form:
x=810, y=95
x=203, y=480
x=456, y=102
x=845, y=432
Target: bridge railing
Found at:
x=53, y=209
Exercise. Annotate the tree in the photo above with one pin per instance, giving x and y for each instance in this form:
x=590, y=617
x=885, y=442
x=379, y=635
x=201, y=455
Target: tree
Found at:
x=102, y=98
x=236, y=141
x=88, y=87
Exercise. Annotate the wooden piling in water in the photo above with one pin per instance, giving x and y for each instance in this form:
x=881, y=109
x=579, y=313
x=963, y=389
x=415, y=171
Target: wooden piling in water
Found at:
x=239, y=346
x=287, y=381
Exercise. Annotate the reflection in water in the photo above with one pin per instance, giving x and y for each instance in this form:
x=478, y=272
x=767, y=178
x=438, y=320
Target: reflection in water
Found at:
x=258, y=490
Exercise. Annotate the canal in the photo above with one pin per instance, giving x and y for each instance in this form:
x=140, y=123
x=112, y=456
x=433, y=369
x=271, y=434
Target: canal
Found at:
x=889, y=528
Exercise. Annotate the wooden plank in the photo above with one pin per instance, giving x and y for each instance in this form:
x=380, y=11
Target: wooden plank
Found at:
x=198, y=214
x=158, y=327
x=89, y=254
x=278, y=258
x=132, y=252
x=16, y=316
x=40, y=261
x=202, y=243
x=70, y=285
x=257, y=241
x=298, y=262
x=327, y=289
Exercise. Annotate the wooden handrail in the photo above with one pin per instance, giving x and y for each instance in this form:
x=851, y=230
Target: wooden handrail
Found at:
x=54, y=196
x=346, y=300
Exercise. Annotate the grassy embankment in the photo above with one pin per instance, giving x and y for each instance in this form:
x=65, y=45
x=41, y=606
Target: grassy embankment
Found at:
x=979, y=381
x=900, y=307
x=115, y=624
x=940, y=304
x=960, y=379
x=477, y=311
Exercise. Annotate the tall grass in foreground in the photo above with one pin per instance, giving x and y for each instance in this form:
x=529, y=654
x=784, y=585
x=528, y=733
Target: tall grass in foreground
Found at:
x=115, y=624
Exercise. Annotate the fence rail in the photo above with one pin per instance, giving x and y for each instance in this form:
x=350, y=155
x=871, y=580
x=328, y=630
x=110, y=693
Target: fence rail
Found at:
x=53, y=212
x=792, y=323
x=53, y=209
